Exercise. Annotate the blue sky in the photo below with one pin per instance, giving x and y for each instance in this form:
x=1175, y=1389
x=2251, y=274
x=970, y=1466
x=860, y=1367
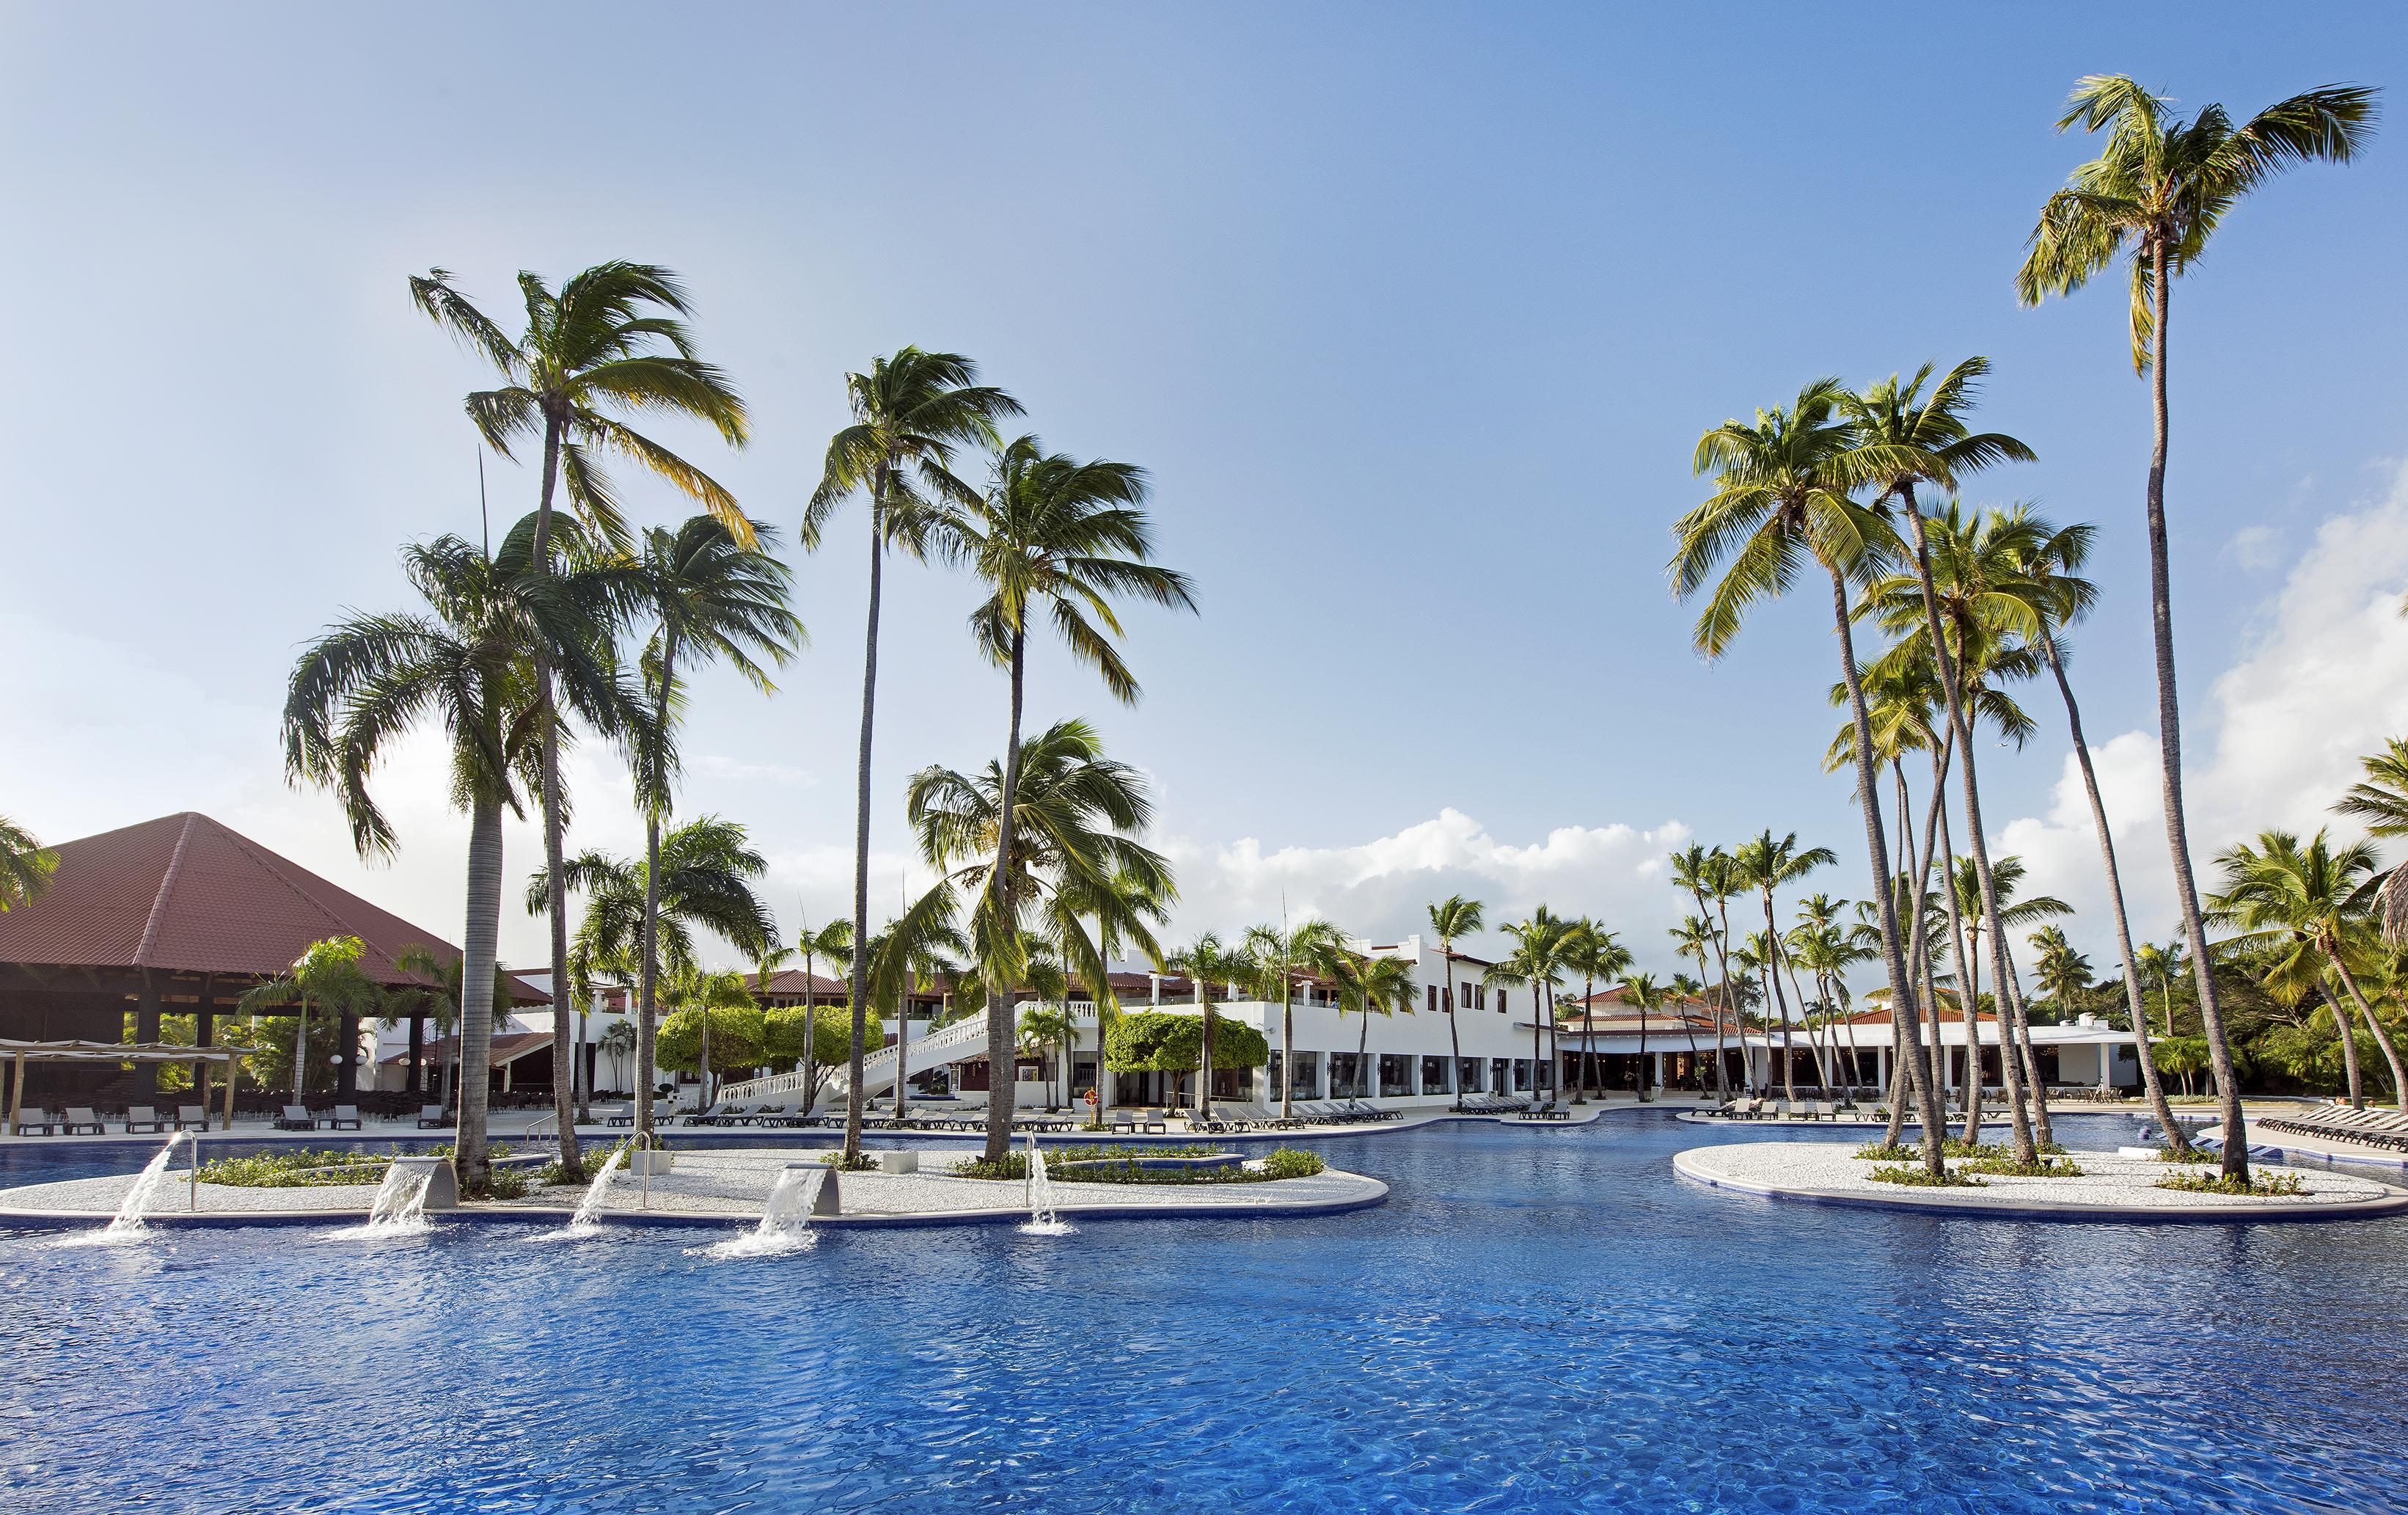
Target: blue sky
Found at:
x=1414, y=313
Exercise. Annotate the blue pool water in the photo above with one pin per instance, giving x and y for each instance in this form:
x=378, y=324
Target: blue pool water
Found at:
x=1535, y=1322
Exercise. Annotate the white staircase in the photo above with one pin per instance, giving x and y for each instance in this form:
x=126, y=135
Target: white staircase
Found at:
x=954, y=1043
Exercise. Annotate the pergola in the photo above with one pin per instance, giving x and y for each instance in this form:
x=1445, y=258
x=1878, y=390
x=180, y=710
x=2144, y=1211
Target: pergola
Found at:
x=175, y=915
x=21, y=1053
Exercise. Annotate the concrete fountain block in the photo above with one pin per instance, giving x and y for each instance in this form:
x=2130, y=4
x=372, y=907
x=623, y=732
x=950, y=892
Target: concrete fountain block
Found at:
x=825, y=1200
x=442, y=1185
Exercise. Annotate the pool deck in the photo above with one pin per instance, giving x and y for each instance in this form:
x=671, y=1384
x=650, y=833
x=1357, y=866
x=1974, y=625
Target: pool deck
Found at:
x=708, y=1188
x=2112, y=1187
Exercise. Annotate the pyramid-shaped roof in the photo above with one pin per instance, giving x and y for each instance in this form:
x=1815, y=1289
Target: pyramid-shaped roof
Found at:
x=186, y=894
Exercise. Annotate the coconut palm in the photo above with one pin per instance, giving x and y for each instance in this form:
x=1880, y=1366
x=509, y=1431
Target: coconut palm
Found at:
x=1765, y=865
x=1373, y=984
x=1083, y=880
x=1783, y=498
x=2063, y=974
x=2007, y=877
x=1594, y=953
x=1696, y=937
x=1644, y=995
x=2153, y=196
x=1054, y=536
x=1451, y=919
x=711, y=596
x=1209, y=961
x=833, y=940
x=327, y=972
x=610, y=342
x=26, y=866
x=2314, y=900
x=1686, y=990
x=2057, y=597
x=1541, y=945
x=2380, y=800
x=469, y=663
x=644, y=912
x=1276, y=953
x=918, y=952
x=436, y=997
x=910, y=412
x=1710, y=876
x=2161, y=968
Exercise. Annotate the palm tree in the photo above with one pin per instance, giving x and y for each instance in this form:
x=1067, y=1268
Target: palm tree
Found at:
x=833, y=940
x=470, y=663
x=1781, y=497
x=1375, y=985
x=919, y=952
x=1765, y=865
x=2014, y=1032
x=327, y=972
x=2380, y=800
x=712, y=596
x=1451, y=919
x=1275, y=955
x=2057, y=595
x=1710, y=875
x=1685, y=989
x=1643, y=994
x=611, y=342
x=2063, y=974
x=1075, y=859
x=1209, y=961
x=1068, y=538
x=439, y=998
x=2315, y=901
x=909, y=412
x=1695, y=937
x=1592, y=952
x=643, y=913
x=2162, y=968
x=1541, y=944
x=26, y=866
x=2154, y=196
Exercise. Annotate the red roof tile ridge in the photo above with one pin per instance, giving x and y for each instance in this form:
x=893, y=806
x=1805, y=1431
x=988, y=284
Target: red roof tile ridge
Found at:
x=275, y=868
x=166, y=887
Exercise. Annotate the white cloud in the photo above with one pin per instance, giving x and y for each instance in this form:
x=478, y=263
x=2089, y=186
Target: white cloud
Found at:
x=2256, y=548
x=1381, y=888
x=2323, y=680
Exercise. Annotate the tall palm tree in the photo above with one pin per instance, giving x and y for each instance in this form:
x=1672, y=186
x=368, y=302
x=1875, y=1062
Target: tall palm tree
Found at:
x=1928, y=442
x=2162, y=968
x=1684, y=990
x=26, y=866
x=2380, y=800
x=2062, y=973
x=1594, y=953
x=2153, y=196
x=909, y=414
x=833, y=940
x=1696, y=937
x=699, y=875
x=438, y=998
x=2057, y=595
x=610, y=342
x=1209, y=961
x=1066, y=538
x=468, y=662
x=1709, y=875
x=1643, y=994
x=1783, y=498
x=1540, y=943
x=1375, y=985
x=2314, y=899
x=327, y=972
x=711, y=597
x=1081, y=876
x=2007, y=877
x=1275, y=955
x=919, y=952
x=1451, y=919
x=1765, y=865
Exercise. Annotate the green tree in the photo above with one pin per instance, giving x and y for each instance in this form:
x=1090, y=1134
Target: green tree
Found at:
x=1275, y=954
x=2063, y=974
x=2380, y=800
x=1083, y=880
x=1208, y=961
x=1708, y=876
x=1054, y=536
x=2154, y=196
x=467, y=663
x=1536, y=962
x=1783, y=498
x=1373, y=984
x=833, y=940
x=26, y=866
x=2057, y=597
x=1451, y=919
x=1644, y=995
x=438, y=997
x=1594, y=953
x=714, y=1027
x=1765, y=865
x=327, y=972
x=711, y=598
x=909, y=412
x=610, y=342
x=2310, y=903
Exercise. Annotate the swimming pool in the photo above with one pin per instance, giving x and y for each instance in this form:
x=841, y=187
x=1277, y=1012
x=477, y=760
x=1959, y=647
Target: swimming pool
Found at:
x=1535, y=1321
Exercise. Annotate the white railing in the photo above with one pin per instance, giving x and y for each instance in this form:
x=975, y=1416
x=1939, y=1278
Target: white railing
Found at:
x=877, y=1068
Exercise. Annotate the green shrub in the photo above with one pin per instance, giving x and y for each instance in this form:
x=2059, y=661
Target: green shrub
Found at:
x=2046, y=1167
x=1168, y=1043
x=1898, y=1152
x=1923, y=1178
x=2189, y=1154
x=301, y=1168
x=2263, y=1184
x=1010, y=1165
x=504, y=1184
x=860, y=1163
x=1292, y=1162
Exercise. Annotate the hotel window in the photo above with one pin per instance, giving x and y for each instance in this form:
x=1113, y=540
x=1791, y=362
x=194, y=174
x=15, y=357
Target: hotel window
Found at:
x=1469, y=998
x=1396, y=1075
x=1501, y=1001
x=1434, y=1079
x=1469, y=1075
x=1433, y=1006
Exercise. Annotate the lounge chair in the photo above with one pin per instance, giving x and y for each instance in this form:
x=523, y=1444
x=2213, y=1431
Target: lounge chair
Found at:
x=1123, y=1122
x=346, y=1117
x=1826, y=1110
x=35, y=1122
x=618, y=1114
x=191, y=1117
x=1157, y=1123
x=296, y=1117
x=431, y=1117
x=81, y=1120
x=143, y=1117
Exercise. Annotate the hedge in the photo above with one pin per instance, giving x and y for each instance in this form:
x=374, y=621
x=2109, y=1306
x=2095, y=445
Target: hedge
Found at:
x=1168, y=1043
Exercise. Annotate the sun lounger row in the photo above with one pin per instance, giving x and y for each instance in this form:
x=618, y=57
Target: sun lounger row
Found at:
x=78, y=1119
x=2365, y=1128
x=1768, y=1110
x=1491, y=1104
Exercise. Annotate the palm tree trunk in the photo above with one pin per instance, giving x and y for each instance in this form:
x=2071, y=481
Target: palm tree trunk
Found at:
x=1730, y=997
x=1287, y=1046
x=1772, y=972
x=2042, y=1133
x=1007, y=922
x=2390, y=1055
x=1969, y=982
x=478, y=937
x=2161, y=621
x=2132, y=989
x=1814, y=1042
x=1877, y=846
x=860, y=981
x=648, y=967
x=564, y=1107
x=811, y=1026
x=2351, y=1073
x=301, y=1053
x=1204, y=1080
x=1930, y=1063
x=1454, y=1032
x=1952, y=688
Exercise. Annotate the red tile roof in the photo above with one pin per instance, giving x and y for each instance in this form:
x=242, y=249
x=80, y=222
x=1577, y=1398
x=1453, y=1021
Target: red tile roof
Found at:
x=186, y=894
